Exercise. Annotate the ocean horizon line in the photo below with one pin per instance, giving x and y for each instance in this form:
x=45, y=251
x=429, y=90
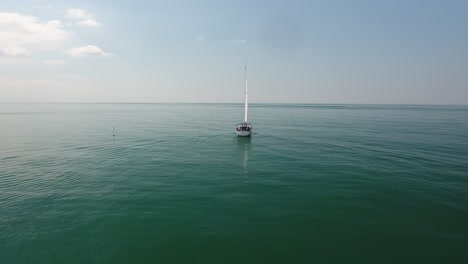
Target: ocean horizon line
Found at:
x=241, y=103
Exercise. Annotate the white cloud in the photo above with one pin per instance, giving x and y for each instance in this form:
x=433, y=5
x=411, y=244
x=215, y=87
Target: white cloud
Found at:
x=84, y=17
x=200, y=38
x=77, y=13
x=13, y=51
x=238, y=41
x=89, y=22
x=88, y=50
x=22, y=34
x=54, y=62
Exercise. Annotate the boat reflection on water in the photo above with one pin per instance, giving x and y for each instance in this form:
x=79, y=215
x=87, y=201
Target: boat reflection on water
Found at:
x=243, y=143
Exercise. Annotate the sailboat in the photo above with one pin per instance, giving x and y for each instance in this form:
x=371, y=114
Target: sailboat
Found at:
x=244, y=129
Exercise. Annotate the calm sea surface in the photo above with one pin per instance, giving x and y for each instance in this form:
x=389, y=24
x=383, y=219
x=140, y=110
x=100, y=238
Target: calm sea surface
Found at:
x=314, y=184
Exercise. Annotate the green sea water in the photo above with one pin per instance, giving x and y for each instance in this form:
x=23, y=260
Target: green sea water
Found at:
x=174, y=184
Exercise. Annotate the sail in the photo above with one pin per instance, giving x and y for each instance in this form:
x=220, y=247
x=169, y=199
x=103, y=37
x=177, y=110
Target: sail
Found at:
x=245, y=95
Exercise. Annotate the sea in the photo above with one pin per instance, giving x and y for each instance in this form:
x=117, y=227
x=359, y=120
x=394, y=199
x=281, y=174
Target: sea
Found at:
x=172, y=183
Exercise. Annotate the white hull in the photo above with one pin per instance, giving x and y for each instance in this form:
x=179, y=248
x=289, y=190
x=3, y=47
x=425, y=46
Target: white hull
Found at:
x=244, y=129
x=243, y=133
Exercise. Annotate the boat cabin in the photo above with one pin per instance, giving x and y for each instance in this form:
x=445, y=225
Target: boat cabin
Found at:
x=244, y=127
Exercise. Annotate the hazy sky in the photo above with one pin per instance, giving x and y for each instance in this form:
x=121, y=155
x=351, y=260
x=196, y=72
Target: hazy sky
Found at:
x=399, y=52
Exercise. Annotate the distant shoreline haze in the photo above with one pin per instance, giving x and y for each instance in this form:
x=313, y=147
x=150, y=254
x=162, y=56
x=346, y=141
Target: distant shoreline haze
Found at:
x=241, y=103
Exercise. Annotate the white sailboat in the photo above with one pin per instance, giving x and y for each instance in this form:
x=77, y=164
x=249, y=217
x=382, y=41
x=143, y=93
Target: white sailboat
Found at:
x=244, y=129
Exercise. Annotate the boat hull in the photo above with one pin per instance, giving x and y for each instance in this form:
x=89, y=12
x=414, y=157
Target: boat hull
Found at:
x=244, y=133
x=244, y=129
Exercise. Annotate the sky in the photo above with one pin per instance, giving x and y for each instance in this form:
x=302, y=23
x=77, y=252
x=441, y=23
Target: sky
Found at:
x=328, y=52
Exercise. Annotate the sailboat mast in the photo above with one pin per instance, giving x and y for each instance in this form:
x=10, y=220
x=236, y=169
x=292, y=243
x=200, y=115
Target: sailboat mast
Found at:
x=245, y=95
